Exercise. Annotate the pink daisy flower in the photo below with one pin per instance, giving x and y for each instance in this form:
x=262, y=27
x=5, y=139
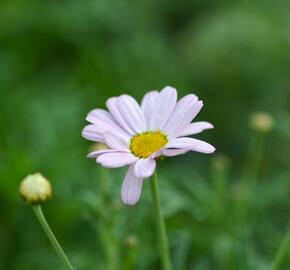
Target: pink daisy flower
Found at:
x=137, y=135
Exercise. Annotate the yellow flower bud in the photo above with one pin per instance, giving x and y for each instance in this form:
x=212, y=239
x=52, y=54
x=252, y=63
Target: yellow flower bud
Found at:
x=261, y=121
x=98, y=146
x=130, y=241
x=35, y=189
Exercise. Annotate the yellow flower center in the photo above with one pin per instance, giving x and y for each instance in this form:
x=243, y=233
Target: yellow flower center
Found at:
x=144, y=144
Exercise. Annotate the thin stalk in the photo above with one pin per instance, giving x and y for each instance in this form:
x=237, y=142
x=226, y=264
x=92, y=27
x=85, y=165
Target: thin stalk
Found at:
x=161, y=230
x=55, y=244
x=255, y=156
x=250, y=175
x=129, y=259
x=281, y=252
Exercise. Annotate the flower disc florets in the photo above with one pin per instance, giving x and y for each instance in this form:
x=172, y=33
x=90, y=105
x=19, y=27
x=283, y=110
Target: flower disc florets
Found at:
x=144, y=144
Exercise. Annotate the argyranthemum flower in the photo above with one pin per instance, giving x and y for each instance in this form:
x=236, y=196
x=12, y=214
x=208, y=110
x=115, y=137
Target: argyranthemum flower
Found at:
x=137, y=135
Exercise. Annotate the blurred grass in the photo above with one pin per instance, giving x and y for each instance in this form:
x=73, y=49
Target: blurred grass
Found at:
x=59, y=59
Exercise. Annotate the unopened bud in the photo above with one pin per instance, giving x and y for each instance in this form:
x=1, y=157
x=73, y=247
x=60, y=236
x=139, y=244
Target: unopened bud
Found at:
x=98, y=146
x=130, y=241
x=221, y=162
x=261, y=121
x=35, y=189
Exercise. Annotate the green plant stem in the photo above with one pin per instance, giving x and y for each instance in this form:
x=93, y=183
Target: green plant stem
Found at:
x=281, y=252
x=255, y=156
x=163, y=242
x=129, y=259
x=250, y=176
x=55, y=244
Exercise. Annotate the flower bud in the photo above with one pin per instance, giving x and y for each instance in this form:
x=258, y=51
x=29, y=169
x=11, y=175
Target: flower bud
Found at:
x=130, y=241
x=98, y=146
x=261, y=121
x=35, y=189
x=221, y=162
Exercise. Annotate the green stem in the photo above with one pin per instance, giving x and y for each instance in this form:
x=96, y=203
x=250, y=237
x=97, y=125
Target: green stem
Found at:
x=129, y=259
x=281, y=252
x=55, y=244
x=255, y=156
x=163, y=242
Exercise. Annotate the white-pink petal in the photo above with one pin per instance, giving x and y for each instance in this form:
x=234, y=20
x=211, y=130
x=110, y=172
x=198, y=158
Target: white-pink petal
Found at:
x=92, y=133
x=164, y=107
x=96, y=115
x=191, y=144
x=112, y=105
x=131, y=187
x=95, y=154
x=116, y=140
x=104, y=120
x=116, y=159
x=174, y=152
x=144, y=167
x=195, y=128
x=148, y=105
x=186, y=109
x=131, y=113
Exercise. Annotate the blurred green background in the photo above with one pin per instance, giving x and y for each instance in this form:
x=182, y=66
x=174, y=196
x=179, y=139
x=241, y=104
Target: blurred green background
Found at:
x=60, y=59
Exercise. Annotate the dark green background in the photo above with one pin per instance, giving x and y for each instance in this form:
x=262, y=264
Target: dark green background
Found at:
x=60, y=59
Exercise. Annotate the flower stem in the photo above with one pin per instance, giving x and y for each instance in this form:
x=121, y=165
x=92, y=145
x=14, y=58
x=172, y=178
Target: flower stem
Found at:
x=281, y=252
x=163, y=242
x=255, y=158
x=55, y=244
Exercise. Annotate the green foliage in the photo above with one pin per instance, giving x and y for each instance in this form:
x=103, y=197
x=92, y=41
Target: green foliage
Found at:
x=60, y=59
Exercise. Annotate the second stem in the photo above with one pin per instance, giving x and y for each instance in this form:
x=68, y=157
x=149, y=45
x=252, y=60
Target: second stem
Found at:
x=55, y=244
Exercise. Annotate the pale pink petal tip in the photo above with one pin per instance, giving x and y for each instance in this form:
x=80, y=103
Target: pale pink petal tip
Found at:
x=191, y=144
x=195, y=128
x=97, y=153
x=131, y=187
x=91, y=132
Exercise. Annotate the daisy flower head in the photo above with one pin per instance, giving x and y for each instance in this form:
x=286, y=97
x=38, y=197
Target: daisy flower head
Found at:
x=137, y=135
